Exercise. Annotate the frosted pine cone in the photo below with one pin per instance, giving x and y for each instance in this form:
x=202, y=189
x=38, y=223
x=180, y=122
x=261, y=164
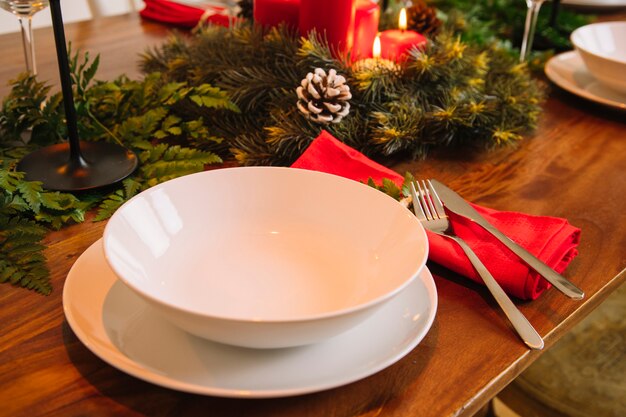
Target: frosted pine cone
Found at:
x=324, y=98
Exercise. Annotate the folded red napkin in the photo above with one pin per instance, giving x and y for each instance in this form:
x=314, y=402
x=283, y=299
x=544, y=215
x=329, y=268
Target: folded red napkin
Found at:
x=551, y=239
x=182, y=15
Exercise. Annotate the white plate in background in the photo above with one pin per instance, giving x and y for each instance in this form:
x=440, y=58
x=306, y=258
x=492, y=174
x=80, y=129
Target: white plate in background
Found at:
x=568, y=71
x=596, y=4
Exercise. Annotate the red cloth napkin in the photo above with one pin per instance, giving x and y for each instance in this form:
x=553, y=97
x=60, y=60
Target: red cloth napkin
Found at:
x=182, y=15
x=551, y=239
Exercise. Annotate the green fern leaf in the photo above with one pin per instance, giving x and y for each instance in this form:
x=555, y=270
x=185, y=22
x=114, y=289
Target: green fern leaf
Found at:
x=207, y=96
x=58, y=201
x=38, y=279
x=18, y=226
x=172, y=93
x=7, y=271
x=90, y=72
x=153, y=154
x=174, y=161
x=131, y=187
x=110, y=205
x=31, y=193
x=406, y=185
x=9, y=180
x=391, y=189
x=21, y=258
x=20, y=252
x=16, y=276
x=18, y=204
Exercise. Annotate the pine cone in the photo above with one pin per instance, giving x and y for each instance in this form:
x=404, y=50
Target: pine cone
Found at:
x=422, y=18
x=324, y=98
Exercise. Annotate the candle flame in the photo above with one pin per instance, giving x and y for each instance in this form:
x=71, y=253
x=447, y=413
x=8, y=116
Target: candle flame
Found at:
x=402, y=19
x=376, y=48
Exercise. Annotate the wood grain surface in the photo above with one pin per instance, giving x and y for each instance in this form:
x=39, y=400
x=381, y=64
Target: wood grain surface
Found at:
x=572, y=167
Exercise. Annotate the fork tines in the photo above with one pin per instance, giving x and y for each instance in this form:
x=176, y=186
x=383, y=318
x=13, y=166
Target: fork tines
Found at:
x=427, y=200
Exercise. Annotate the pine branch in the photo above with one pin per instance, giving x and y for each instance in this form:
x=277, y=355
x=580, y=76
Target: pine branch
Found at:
x=255, y=87
x=289, y=134
x=314, y=52
x=398, y=129
x=377, y=84
x=251, y=149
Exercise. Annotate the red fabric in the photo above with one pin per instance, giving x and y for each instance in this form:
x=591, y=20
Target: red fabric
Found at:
x=182, y=15
x=551, y=239
x=274, y=12
x=327, y=154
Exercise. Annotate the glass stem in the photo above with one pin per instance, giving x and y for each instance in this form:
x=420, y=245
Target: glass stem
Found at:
x=529, y=27
x=26, y=26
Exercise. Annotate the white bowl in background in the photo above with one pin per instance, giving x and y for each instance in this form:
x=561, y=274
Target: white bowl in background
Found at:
x=602, y=46
x=265, y=257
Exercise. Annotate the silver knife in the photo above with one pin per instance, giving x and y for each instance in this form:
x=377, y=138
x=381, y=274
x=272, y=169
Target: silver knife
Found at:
x=456, y=204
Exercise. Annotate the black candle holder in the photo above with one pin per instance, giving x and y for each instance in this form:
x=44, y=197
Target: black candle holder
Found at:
x=75, y=165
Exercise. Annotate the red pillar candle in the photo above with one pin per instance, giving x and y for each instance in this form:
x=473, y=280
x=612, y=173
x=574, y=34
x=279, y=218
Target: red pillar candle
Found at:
x=274, y=12
x=397, y=43
x=366, y=20
x=333, y=19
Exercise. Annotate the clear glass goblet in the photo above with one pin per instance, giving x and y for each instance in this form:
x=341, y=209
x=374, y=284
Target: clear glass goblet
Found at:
x=24, y=10
x=529, y=27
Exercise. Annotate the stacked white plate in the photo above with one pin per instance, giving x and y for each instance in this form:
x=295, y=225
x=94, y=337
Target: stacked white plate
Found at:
x=140, y=308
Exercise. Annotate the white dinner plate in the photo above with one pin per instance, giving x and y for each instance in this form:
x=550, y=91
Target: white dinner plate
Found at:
x=596, y=4
x=124, y=331
x=568, y=71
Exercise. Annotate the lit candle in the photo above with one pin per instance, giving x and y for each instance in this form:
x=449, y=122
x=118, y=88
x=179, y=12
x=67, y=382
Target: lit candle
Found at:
x=366, y=22
x=376, y=47
x=274, y=12
x=397, y=43
x=332, y=19
x=375, y=63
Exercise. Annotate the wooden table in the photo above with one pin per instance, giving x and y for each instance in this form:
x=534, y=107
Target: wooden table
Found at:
x=573, y=167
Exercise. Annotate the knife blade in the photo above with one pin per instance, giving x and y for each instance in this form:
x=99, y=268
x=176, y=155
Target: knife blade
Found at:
x=456, y=204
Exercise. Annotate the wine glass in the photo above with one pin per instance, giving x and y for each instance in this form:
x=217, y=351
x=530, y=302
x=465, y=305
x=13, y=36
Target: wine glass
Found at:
x=529, y=27
x=24, y=10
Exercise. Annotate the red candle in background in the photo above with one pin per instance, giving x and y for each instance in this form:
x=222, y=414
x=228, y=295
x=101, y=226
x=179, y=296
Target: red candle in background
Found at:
x=333, y=19
x=397, y=43
x=366, y=20
x=273, y=12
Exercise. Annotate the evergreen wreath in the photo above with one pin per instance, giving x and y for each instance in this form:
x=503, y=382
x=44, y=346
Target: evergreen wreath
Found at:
x=451, y=93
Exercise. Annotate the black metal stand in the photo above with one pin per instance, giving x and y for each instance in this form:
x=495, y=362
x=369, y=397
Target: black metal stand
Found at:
x=75, y=165
x=556, y=5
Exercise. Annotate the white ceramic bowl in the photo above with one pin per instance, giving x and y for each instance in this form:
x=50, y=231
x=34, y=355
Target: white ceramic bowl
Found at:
x=265, y=257
x=602, y=46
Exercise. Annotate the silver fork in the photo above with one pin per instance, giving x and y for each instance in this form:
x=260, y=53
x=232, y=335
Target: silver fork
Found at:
x=430, y=212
